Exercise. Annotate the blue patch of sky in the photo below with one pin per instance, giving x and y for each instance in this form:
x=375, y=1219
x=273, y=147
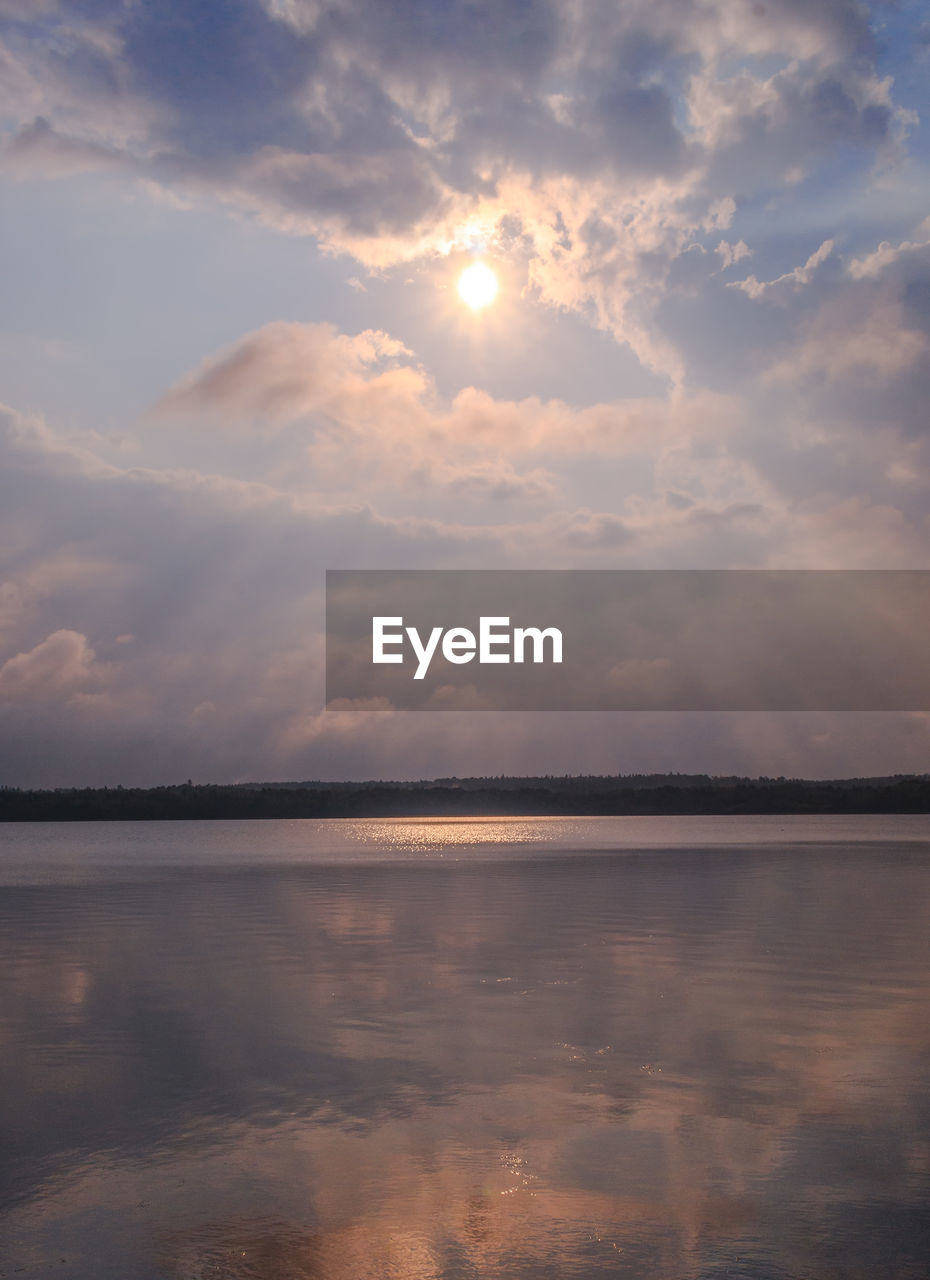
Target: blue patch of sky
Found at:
x=903, y=35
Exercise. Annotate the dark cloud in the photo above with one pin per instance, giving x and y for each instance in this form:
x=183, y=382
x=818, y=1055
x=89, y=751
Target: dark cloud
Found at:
x=363, y=119
x=225, y=69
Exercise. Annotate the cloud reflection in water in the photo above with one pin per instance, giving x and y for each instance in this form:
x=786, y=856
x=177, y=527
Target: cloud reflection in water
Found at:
x=684, y=1065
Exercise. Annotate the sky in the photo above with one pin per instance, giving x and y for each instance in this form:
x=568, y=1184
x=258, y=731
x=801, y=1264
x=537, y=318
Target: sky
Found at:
x=233, y=354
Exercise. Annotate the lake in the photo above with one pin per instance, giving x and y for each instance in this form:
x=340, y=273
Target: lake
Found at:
x=661, y=1048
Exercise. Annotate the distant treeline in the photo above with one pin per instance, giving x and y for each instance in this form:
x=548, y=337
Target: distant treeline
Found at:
x=648, y=794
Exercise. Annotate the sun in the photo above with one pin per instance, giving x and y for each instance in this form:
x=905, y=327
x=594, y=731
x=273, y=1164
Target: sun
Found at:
x=478, y=286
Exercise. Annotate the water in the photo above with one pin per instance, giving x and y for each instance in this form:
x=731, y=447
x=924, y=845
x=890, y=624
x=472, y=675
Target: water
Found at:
x=654, y=1048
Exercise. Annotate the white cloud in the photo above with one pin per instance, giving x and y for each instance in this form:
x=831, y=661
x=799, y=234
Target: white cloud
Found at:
x=778, y=289
x=58, y=666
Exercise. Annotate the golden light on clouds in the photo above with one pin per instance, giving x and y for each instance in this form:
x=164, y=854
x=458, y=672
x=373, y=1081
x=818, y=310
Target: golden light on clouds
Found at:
x=477, y=286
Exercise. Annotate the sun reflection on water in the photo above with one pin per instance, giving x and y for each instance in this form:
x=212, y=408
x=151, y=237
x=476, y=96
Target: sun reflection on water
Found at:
x=438, y=836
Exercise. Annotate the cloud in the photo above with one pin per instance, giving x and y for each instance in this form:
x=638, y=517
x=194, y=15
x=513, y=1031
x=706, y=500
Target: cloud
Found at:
x=286, y=371
x=721, y=185
x=597, y=529
x=336, y=413
x=328, y=417
x=788, y=283
x=595, y=142
x=57, y=666
x=39, y=149
x=829, y=360
x=857, y=354
x=126, y=652
x=169, y=559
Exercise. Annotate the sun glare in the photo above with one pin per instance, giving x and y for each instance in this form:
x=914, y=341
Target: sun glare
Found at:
x=478, y=286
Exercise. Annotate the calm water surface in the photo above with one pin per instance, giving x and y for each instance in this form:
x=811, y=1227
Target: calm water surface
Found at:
x=669, y=1049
